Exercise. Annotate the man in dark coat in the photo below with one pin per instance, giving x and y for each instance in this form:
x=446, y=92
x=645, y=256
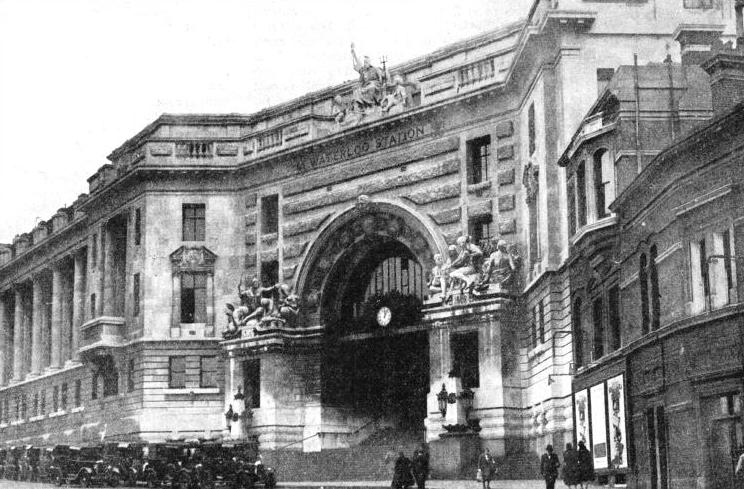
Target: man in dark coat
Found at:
x=549, y=467
x=420, y=467
x=487, y=466
x=402, y=475
x=571, y=471
x=586, y=465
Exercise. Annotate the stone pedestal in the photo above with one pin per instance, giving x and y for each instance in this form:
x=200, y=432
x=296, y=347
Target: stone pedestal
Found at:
x=454, y=456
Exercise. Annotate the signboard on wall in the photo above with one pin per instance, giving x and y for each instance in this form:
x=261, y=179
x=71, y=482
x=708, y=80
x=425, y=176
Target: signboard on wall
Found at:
x=581, y=417
x=616, y=416
x=599, y=426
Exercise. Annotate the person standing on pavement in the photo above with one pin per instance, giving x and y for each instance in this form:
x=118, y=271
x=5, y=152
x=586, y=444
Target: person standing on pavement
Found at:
x=586, y=465
x=549, y=467
x=420, y=466
x=487, y=467
x=402, y=478
x=571, y=470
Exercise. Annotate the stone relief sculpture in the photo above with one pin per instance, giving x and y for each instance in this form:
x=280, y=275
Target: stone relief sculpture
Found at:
x=261, y=308
x=375, y=94
x=465, y=272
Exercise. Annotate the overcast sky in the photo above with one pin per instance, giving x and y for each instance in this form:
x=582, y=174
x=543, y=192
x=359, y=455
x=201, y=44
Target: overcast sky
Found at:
x=78, y=78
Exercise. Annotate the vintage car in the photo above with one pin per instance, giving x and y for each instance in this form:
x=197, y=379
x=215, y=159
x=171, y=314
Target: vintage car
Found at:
x=119, y=458
x=28, y=467
x=230, y=465
x=84, y=466
x=13, y=463
x=158, y=464
x=46, y=461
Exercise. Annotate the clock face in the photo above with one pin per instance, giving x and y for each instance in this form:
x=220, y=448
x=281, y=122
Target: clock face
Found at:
x=384, y=315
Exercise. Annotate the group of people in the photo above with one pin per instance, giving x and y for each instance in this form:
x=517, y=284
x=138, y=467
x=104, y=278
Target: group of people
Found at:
x=466, y=270
x=411, y=470
x=578, y=466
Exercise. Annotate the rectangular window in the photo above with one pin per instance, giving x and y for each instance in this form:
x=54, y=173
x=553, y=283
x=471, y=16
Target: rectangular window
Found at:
x=270, y=214
x=578, y=334
x=532, y=133
x=269, y=273
x=479, y=228
x=533, y=327
x=24, y=406
x=698, y=276
x=55, y=398
x=130, y=375
x=465, y=358
x=177, y=372
x=42, y=402
x=655, y=299
x=136, y=294
x=478, y=156
x=94, y=386
x=614, y=313
x=208, y=372
x=137, y=226
x=541, y=318
x=698, y=4
x=63, y=397
x=193, y=222
x=571, y=197
x=581, y=195
x=193, y=298
x=719, y=264
x=35, y=408
x=252, y=383
x=94, y=252
x=92, y=306
x=78, y=393
x=598, y=328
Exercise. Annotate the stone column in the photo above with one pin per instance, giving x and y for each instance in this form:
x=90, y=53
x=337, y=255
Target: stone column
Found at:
x=37, y=320
x=108, y=274
x=56, y=339
x=78, y=301
x=18, y=336
x=3, y=339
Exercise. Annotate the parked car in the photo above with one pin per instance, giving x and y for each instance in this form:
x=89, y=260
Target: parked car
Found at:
x=13, y=461
x=84, y=466
x=159, y=464
x=119, y=459
x=46, y=461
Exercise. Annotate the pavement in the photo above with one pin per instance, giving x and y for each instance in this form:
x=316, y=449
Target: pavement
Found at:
x=431, y=484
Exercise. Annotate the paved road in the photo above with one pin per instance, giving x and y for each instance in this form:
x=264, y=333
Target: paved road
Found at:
x=434, y=484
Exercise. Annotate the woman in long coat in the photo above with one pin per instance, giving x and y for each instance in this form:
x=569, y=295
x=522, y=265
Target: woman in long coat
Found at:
x=571, y=470
x=402, y=477
x=586, y=465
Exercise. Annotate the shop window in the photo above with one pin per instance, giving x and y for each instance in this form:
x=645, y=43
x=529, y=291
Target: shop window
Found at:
x=177, y=372
x=604, y=182
x=578, y=333
x=270, y=214
x=581, y=194
x=136, y=294
x=531, y=129
x=193, y=222
x=252, y=383
x=193, y=298
x=597, y=319
x=643, y=282
x=63, y=397
x=269, y=273
x=465, y=358
x=137, y=226
x=77, y=396
x=208, y=372
x=613, y=302
x=653, y=276
x=479, y=228
x=478, y=156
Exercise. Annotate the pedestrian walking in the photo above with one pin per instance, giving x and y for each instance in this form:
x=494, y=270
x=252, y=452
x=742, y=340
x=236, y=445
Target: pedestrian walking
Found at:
x=486, y=468
x=571, y=470
x=402, y=478
x=549, y=464
x=586, y=466
x=420, y=466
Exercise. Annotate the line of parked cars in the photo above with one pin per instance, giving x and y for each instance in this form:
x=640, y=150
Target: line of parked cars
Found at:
x=179, y=465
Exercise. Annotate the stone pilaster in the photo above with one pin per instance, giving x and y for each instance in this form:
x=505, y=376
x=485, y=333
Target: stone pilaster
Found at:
x=100, y=271
x=3, y=339
x=108, y=273
x=78, y=303
x=18, y=336
x=37, y=321
x=57, y=320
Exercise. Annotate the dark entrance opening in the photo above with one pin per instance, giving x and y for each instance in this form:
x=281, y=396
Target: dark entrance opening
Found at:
x=380, y=377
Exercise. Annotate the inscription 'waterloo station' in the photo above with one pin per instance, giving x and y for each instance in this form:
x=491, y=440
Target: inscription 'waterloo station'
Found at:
x=362, y=148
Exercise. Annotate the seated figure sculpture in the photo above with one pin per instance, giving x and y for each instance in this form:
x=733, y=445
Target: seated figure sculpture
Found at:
x=500, y=270
x=261, y=308
x=465, y=267
x=439, y=280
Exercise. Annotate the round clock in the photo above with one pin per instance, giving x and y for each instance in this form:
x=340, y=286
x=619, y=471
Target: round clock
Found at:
x=384, y=316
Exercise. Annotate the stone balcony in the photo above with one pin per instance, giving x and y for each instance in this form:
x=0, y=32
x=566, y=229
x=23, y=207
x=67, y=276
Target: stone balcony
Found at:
x=101, y=333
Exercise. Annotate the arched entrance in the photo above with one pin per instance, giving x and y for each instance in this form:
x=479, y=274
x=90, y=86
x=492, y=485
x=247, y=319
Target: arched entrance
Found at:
x=373, y=255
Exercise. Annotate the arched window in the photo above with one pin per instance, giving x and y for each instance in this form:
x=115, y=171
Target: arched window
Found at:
x=604, y=182
x=643, y=281
x=578, y=334
x=654, y=277
x=581, y=194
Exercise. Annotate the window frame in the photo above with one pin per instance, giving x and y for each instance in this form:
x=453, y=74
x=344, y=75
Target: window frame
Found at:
x=269, y=220
x=193, y=225
x=171, y=378
x=213, y=373
x=189, y=298
x=478, y=157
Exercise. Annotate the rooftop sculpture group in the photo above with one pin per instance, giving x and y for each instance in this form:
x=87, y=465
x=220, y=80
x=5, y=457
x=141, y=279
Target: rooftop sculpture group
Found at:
x=261, y=308
x=466, y=273
x=376, y=93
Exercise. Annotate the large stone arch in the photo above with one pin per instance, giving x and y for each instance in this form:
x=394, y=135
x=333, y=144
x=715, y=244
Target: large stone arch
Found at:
x=353, y=232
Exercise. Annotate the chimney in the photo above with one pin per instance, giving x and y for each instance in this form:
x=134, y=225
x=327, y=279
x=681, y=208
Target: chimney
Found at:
x=726, y=71
x=697, y=41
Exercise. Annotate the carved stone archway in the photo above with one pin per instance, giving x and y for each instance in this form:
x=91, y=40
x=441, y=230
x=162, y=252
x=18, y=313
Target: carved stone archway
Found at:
x=354, y=233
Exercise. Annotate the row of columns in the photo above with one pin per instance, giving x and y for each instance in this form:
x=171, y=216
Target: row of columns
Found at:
x=62, y=341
